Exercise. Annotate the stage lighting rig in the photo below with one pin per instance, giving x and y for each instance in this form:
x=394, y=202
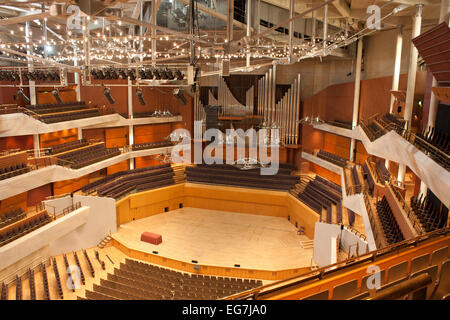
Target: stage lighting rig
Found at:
x=148, y=74
x=178, y=75
x=156, y=74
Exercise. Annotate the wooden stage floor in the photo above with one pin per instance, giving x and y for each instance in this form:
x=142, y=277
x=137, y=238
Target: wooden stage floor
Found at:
x=219, y=238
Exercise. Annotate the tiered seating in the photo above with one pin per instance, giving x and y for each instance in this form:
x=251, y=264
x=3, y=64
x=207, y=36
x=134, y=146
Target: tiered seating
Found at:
x=224, y=174
x=377, y=129
x=58, y=279
x=4, y=294
x=351, y=217
x=22, y=227
x=18, y=288
x=91, y=268
x=321, y=193
x=368, y=178
x=45, y=282
x=382, y=172
x=68, y=272
x=13, y=164
x=439, y=140
x=140, y=281
x=86, y=156
x=102, y=263
x=66, y=146
x=11, y=216
x=151, y=145
x=337, y=160
x=429, y=215
x=32, y=284
x=137, y=179
x=390, y=226
x=82, y=278
x=51, y=113
x=395, y=119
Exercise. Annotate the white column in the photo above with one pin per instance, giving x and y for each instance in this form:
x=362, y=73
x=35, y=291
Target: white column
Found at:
x=37, y=144
x=412, y=70
x=80, y=133
x=423, y=189
x=249, y=25
x=356, y=96
x=396, y=75
x=130, y=116
x=291, y=29
x=398, y=58
x=325, y=29
x=30, y=63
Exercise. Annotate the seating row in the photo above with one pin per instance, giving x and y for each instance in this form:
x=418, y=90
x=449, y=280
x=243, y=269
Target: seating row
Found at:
x=6, y=173
x=391, y=230
x=11, y=216
x=151, y=145
x=66, y=146
x=333, y=158
x=140, y=281
x=20, y=228
x=82, y=157
x=430, y=216
x=223, y=174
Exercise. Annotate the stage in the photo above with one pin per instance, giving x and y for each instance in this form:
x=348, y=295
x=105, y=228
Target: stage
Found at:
x=220, y=239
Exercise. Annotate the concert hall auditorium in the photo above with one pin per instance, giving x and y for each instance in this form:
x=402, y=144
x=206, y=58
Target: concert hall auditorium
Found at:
x=236, y=150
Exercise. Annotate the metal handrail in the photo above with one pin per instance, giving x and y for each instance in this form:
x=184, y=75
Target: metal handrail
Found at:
x=333, y=268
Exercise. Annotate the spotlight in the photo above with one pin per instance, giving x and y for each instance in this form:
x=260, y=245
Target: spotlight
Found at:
x=122, y=74
x=178, y=75
x=148, y=74
x=131, y=74
x=142, y=73
x=164, y=74
x=170, y=75
x=178, y=94
x=107, y=93
x=55, y=93
x=21, y=94
x=140, y=96
x=157, y=74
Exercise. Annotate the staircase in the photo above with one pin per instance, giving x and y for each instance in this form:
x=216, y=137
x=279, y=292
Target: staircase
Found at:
x=307, y=244
x=104, y=242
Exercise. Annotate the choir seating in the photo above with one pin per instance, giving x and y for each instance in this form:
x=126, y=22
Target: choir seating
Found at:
x=10, y=216
x=151, y=145
x=333, y=158
x=85, y=156
x=59, y=112
x=135, y=280
x=124, y=182
x=72, y=145
x=223, y=174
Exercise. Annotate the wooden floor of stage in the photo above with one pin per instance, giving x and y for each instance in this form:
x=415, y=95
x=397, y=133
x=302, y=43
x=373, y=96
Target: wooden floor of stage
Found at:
x=220, y=238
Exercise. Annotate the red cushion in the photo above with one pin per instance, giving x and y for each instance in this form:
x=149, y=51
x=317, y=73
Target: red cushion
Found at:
x=152, y=238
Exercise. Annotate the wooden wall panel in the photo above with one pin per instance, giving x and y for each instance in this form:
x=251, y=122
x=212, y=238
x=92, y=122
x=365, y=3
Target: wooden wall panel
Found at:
x=121, y=166
x=17, y=201
x=58, y=137
x=116, y=137
x=327, y=174
x=142, y=162
x=95, y=134
x=7, y=94
x=361, y=153
x=302, y=215
x=337, y=144
x=17, y=142
x=44, y=95
x=151, y=133
x=95, y=95
x=68, y=186
x=39, y=194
